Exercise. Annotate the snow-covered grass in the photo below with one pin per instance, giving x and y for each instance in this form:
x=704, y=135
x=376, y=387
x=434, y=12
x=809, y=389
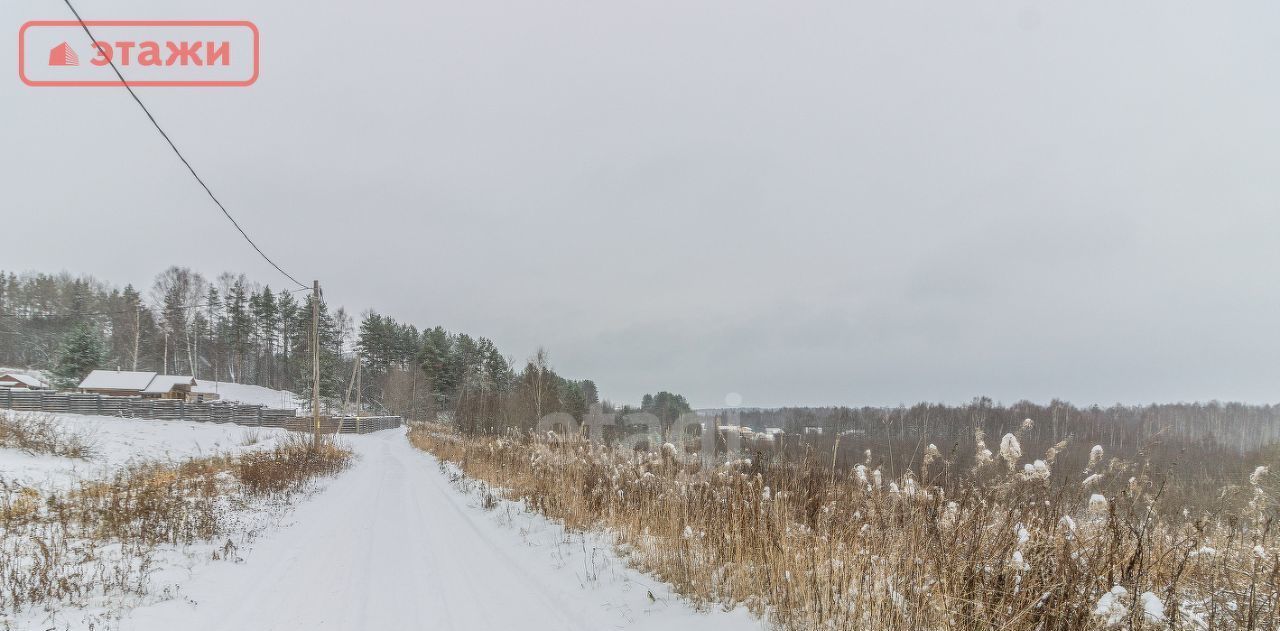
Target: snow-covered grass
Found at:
x=42, y=434
x=1001, y=546
x=115, y=442
x=156, y=497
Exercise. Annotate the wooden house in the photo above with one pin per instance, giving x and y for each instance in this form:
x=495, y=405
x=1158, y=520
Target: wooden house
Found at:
x=148, y=385
x=21, y=381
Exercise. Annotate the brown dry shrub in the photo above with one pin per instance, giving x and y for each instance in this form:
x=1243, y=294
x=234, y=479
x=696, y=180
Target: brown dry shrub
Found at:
x=37, y=433
x=291, y=464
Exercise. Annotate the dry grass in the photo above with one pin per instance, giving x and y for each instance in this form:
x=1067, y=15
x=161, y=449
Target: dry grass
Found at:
x=250, y=438
x=100, y=538
x=1002, y=548
x=291, y=464
x=37, y=433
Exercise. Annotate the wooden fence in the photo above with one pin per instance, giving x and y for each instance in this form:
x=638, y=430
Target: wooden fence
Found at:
x=175, y=410
x=345, y=424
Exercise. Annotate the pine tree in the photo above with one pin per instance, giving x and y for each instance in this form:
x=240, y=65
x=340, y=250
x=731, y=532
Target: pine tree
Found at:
x=215, y=348
x=592, y=393
x=80, y=354
x=666, y=406
x=407, y=343
x=287, y=307
x=239, y=329
x=496, y=369
x=434, y=359
x=266, y=314
x=376, y=343
x=573, y=400
x=331, y=381
x=125, y=327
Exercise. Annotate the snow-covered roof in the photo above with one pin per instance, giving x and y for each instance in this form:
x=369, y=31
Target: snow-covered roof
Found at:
x=117, y=380
x=164, y=383
x=27, y=380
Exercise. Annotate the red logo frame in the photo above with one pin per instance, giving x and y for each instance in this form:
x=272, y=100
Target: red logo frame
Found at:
x=22, y=33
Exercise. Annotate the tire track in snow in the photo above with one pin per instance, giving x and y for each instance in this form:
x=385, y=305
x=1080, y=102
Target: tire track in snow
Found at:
x=391, y=545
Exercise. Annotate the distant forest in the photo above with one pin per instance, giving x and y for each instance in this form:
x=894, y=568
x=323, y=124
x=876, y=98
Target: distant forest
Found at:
x=232, y=329
x=1238, y=426
x=1199, y=453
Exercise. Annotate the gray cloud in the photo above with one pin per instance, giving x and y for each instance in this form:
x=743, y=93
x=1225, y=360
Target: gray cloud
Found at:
x=803, y=202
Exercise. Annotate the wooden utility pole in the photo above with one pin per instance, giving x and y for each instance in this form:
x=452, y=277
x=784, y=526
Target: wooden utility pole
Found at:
x=357, y=393
x=315, y=362
x=351, y=384
x=359, y=373
x=137, y=334
x=413, y=397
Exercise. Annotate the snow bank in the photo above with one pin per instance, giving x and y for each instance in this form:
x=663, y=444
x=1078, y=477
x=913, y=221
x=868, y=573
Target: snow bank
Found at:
x=119, y=441
x=249, y=395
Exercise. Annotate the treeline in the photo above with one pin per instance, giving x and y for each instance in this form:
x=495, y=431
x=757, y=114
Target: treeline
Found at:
x=232, y=329
x=435, y=373
x=228, y=329
x=1238, y=426
x=1200, y=454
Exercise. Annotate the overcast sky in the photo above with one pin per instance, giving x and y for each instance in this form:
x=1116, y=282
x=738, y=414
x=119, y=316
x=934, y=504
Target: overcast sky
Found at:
x=797, y=202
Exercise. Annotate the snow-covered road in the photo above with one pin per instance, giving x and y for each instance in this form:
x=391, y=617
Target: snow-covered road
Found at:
x=392, y=545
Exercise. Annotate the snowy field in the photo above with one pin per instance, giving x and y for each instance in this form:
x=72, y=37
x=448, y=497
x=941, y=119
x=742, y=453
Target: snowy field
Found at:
x=118, y=441
x=390, y=544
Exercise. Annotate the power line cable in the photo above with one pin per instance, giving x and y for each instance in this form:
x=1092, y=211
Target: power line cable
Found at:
x=175, y=147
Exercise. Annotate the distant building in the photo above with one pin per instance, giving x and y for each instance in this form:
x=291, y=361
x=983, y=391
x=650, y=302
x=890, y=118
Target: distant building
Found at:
x=744, y=433
x=813, y=430
x=21, y=380
x=770, y=433
x=148, y=385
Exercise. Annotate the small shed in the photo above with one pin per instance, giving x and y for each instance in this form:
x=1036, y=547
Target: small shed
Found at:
x=21, y=380
x=170, y=387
